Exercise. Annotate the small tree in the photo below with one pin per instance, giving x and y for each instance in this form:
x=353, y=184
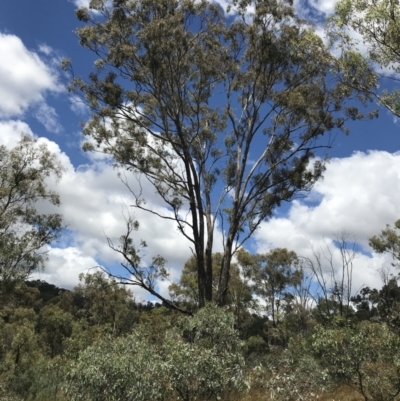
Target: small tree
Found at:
x=204, y=357
x=365, y=357
x=24, y=231
x=334, y=278
x=117, y=369
x=276, y=274
x=104, y=302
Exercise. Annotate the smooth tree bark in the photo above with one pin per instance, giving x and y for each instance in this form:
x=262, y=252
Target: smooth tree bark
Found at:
x=222, y=113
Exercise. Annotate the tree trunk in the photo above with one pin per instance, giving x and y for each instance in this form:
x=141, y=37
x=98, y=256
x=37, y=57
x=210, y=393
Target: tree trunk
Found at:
x=208, y=260
x=222, y=296
x=201, y=279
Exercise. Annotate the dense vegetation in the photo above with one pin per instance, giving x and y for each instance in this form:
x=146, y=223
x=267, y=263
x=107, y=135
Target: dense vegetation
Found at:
x=237, y=326
x=270, y=343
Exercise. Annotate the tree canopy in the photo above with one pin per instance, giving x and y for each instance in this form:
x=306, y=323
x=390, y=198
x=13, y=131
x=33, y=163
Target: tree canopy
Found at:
x=222, y=116
x=24, y=230
x=376, y=24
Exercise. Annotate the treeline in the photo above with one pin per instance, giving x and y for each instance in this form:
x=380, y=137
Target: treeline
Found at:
x=271, y=343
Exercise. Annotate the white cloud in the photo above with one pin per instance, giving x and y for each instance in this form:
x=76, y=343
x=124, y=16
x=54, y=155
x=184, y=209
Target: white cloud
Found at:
x=81, y=3
x=45, y=49
x=24, y=77
x=64, y=266
x=78, y=106
x=324, y=7
x=94, y=203
x=48, y=117
x=85, y=3
x=358, y=195
x=11, y=131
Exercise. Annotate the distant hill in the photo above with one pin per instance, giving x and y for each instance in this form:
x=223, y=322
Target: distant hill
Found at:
x=47, y=291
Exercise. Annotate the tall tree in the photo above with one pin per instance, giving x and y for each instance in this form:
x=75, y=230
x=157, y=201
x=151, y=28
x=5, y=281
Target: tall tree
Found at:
x=222, y=116
x=24, y=230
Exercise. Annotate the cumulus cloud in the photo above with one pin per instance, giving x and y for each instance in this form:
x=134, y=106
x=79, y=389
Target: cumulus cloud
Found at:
x=94, y=204
x=64, y=266
x=356, y=196
x=86, y=3
x=11, y=131
x=24, y=77
x=324, y=7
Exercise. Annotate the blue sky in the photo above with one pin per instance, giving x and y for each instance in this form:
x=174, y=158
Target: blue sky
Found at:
x=359, y=193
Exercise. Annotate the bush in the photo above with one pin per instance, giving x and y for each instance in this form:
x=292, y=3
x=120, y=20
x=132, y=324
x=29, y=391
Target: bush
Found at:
x=200, y=358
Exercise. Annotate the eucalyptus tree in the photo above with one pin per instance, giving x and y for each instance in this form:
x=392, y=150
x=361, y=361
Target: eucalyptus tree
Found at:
x=221, y=113
x=377, y=27
x=198, y=358
x=24, y=230
x=275, y=275
x=363, y=357
x=388, y=241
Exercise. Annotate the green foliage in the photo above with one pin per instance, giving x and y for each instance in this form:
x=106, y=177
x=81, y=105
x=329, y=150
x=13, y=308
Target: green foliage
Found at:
x=275, y=275
x=377, y=22
x=327, y=310
x=380, y=305
x=364, y=356
x=55, y=325
x=117, y=369
x=388, y=241
x=296, y=380
x=20, y=352
x=203, y=357
x=23, y=230
x=104, y=302
x=198, y=359
x=291, y=374
x=83, y=336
